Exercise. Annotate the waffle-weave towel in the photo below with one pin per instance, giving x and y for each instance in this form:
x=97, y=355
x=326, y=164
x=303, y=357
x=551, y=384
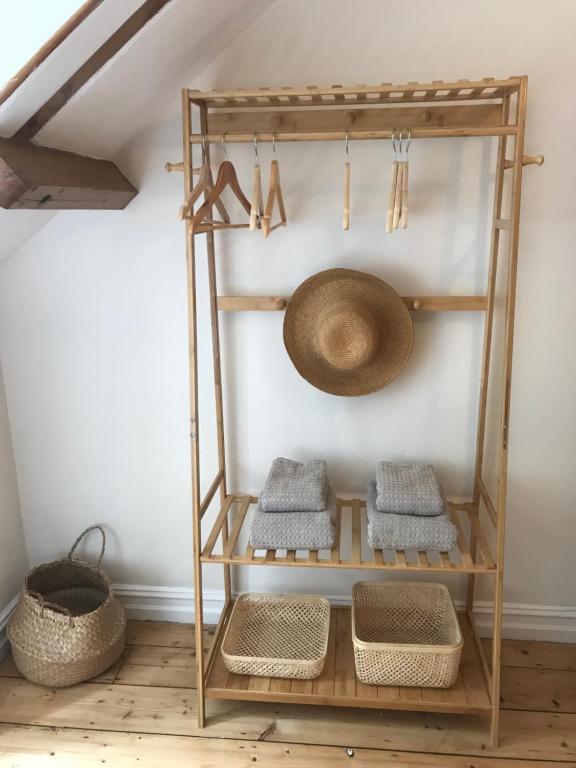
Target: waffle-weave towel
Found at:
x=295, y=487
x=390, y=531
x=294, y=530
x=408, y=489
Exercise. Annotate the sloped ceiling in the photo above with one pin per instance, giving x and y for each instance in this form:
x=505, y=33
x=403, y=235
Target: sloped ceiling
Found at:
x=132, y=91
x=136, y=87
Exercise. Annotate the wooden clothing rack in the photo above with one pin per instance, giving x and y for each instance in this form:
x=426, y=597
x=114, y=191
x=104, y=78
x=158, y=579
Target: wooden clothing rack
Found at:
x=459, y=109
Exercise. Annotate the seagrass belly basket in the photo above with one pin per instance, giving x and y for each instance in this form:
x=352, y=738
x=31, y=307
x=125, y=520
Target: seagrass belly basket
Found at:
x=68, y=626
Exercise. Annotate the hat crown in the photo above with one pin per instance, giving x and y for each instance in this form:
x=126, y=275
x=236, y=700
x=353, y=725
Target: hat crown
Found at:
x=347, y=335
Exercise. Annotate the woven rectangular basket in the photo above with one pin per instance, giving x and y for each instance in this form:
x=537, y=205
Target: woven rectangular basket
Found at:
x=405, y=633
x=277, y=636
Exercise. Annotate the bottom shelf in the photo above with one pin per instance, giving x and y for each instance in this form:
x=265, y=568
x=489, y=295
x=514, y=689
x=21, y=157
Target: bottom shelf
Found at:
x=338, y=686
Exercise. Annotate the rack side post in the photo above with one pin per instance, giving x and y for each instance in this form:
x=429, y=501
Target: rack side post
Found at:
x=194, y=423
x=489, y=319
x=505, y=418
x=216, y=362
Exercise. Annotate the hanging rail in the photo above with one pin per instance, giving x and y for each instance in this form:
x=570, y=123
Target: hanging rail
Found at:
x=417, y=133
x=526, y=160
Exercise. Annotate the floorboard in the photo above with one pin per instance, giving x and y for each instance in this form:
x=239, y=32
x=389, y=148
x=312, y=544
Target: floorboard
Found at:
x=142, y=713
x=70, y=748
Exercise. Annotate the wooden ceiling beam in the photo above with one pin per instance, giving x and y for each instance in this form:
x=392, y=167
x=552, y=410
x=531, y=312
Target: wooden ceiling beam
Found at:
x=110, y=48
x=40, y=178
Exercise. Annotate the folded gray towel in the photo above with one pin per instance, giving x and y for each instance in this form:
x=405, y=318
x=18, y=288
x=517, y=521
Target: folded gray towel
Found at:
x=295, y=487
x=389, y=531
x=408, y=489
x=294, y=530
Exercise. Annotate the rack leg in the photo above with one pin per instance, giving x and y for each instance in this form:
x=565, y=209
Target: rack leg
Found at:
x=194, y=423
x=504, y=426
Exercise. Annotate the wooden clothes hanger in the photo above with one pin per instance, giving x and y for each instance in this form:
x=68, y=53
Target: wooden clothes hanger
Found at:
x=205, y=184
x=227, y=177
x=274, y=194
x=257, y=207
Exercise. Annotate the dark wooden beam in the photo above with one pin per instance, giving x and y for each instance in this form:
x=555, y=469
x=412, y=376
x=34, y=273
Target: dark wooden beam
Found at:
x=49, y=46
x=114, y=43
x=50, y=179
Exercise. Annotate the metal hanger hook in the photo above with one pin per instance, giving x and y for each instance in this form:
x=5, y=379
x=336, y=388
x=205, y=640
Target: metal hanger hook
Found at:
x=224, y=147
x=256, y=148
x=346, y=145
x=396, y=143
x=406, y=146
x=274, y=146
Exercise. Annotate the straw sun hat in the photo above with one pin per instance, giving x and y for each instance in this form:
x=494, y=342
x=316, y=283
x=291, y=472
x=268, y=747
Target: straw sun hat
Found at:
x=347, y=332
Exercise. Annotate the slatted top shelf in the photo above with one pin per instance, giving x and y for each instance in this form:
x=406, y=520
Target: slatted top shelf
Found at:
x=351, y=550
x=357, y=95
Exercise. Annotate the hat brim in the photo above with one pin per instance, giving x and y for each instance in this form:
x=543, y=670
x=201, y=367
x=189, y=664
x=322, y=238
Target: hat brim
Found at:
x=390, y=315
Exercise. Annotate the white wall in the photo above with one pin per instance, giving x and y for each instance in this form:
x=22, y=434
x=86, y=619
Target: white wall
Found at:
x=93, y=318
x=13, y=558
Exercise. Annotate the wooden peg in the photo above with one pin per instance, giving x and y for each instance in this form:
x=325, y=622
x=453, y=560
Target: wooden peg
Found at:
x=172, y=167
x=526, y=160
x=417, y=304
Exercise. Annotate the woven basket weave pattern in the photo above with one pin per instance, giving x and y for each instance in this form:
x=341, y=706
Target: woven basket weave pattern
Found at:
x=277, y=636
x=67, y=626
x=405, y=634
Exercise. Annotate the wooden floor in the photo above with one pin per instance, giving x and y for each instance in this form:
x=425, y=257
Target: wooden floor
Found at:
x=142, y=712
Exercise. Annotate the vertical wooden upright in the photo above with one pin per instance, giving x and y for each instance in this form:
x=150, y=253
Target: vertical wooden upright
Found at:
x=505, y=417
x=488, y=327
x=216, y=362
x=194, y=425
x=480, y=492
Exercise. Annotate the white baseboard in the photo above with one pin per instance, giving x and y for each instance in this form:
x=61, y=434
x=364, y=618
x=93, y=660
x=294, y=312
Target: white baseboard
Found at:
x=5, y=614
x=521, y=621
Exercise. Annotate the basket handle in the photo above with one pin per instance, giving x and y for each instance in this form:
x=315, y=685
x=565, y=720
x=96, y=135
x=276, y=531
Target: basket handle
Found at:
x=79, y=539
x=53, y=606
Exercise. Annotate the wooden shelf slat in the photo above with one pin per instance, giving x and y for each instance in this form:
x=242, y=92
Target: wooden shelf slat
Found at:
x=462, y=561
x=337, y=685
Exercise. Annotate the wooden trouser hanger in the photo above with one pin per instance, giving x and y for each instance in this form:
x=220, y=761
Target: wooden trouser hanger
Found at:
x=257, y=207
x=346, y=209
x=274, y=194
x=403, y=223
x=393, y=186
x=397, y=216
